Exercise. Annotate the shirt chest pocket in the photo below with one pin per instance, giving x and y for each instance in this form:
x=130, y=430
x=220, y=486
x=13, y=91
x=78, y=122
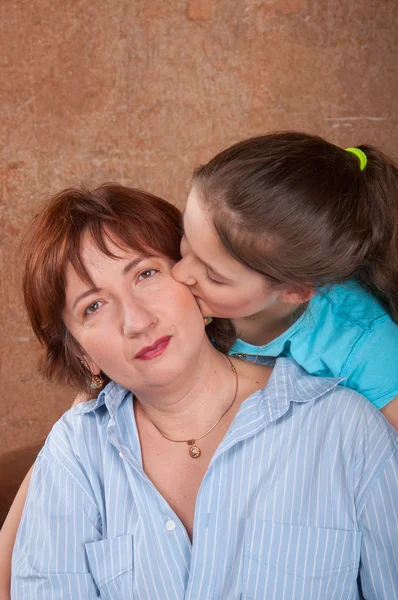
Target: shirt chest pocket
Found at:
x=283, y=562
x=111, y=565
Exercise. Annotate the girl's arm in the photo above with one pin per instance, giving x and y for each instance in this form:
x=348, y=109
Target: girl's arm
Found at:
x=8, y=534
x=390, y=411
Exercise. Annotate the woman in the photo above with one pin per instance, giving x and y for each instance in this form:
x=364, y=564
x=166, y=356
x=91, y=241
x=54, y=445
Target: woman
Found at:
x=215, y=477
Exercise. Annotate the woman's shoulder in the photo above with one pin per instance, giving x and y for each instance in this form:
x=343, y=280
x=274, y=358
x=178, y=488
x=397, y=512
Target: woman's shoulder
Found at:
x=84, y=423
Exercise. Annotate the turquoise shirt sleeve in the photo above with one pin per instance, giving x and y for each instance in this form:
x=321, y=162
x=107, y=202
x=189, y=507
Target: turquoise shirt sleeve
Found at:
x=371, y=368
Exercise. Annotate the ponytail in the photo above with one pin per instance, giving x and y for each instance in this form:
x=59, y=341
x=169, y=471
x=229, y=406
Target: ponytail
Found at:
x=379, y=271
x=300, y=211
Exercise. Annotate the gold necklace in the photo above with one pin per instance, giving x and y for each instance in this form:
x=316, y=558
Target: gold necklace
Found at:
x=295, y=315
x=258, y=354
x=243, y=356
x=194, y=451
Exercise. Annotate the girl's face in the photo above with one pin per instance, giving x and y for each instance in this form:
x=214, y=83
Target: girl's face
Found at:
x=222, y=286
x=136, y=323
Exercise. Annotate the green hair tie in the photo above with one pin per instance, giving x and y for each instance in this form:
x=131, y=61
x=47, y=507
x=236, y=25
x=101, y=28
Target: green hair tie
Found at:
x=363, y=160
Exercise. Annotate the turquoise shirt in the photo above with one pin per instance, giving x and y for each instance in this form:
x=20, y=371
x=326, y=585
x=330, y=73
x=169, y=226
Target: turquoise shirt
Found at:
x=345, y=332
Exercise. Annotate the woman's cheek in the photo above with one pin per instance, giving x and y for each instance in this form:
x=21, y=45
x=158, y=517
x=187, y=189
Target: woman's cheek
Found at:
x=189, y=303
x=184, y=305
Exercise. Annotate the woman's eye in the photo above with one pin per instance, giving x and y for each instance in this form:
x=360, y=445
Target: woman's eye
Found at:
x=93, y=307
x=147, y=274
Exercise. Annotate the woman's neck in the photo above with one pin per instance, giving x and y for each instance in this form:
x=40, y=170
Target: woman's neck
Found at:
x=267, y=325
x=192, y=405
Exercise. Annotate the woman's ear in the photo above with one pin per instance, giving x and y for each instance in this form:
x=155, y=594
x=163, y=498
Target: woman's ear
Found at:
x=297, y=295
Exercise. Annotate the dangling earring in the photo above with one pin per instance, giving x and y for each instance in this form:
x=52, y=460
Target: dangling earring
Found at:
x=96, y=381
x=207, y=320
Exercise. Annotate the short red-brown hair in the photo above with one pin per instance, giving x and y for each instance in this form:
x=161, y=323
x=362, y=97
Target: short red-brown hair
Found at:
x=131, y=218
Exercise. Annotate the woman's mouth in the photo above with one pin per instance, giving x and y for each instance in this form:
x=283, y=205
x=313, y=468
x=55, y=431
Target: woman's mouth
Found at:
x=154, y=350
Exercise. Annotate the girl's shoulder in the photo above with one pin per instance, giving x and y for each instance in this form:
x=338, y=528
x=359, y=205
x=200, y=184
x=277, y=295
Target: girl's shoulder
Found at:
x=345, y=332
x=349, y=302
x=348, y=333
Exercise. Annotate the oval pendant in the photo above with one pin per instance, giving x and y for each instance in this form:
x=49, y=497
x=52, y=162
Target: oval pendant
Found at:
x=194, y=452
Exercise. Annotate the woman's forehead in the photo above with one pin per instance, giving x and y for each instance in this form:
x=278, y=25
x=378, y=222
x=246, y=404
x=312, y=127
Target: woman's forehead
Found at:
x=94, y=253
x=96, y=248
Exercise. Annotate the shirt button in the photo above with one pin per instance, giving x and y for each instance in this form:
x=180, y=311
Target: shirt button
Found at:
x=122, y=455
x=170, y=525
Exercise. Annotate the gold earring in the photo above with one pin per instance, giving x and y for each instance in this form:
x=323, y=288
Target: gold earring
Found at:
x=96, y=381
x=207, y=320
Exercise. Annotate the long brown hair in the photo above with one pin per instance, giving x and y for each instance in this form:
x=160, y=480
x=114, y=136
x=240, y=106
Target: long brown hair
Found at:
x=300, y=211
x=131, y=218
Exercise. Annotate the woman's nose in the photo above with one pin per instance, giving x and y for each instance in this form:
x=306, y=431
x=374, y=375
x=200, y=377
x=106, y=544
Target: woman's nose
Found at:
x=137, y=319
x=182, y=272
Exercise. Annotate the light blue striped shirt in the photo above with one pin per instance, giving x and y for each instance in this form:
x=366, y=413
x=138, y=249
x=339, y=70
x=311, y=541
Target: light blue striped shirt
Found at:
x=300, y=498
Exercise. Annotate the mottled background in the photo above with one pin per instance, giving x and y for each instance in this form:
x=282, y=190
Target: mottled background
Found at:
x=139, y=92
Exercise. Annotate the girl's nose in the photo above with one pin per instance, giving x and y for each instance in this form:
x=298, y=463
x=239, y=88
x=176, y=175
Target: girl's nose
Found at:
x=182, y=273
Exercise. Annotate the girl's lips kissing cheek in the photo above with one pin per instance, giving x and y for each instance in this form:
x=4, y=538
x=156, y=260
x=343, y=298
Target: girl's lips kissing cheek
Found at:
x=154, y=350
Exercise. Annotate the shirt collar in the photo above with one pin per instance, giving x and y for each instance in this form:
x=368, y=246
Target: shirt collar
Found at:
x=111, y=396
x=288, y=383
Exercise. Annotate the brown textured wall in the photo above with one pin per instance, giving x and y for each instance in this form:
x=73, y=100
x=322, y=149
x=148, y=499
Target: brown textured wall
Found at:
x=139, y=92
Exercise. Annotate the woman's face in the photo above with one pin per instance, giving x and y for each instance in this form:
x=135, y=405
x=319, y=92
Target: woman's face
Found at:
x=137, y=323
x=223, y=286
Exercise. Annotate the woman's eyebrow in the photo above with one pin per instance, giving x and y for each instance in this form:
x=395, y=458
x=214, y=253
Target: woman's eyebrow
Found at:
x=93, y=290
x=130, y=265
x=134, y=263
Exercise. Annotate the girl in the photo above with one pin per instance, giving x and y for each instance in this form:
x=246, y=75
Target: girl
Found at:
x=296, y=241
